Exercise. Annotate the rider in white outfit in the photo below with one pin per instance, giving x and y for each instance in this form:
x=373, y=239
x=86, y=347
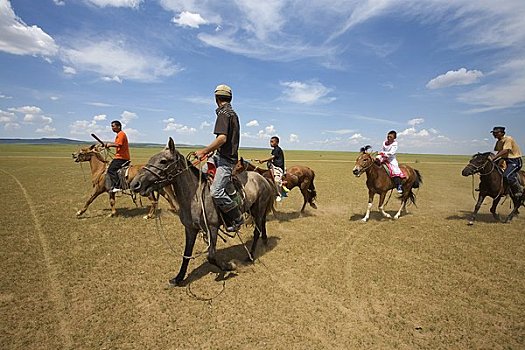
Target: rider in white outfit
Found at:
x=387, y=155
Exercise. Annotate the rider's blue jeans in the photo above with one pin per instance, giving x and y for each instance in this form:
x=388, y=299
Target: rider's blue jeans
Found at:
x=224, y=169
x=513, y=167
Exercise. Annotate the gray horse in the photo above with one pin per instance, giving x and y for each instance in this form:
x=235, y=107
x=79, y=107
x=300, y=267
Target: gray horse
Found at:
x=197, y=211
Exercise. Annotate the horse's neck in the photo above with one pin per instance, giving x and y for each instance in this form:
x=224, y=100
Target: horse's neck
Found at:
x=185, y=186
x=373, y=173
x=98, y=167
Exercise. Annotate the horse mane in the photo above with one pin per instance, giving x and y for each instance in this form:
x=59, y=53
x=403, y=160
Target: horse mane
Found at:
x=365, y=149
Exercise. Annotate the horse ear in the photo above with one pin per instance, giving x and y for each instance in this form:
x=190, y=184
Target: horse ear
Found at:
x=242, y=160
x=365, y=149
x=92, y=146
x=171, y=145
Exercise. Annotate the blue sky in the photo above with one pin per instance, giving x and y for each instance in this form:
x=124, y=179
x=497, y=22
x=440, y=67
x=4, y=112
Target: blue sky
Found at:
x=322, y=74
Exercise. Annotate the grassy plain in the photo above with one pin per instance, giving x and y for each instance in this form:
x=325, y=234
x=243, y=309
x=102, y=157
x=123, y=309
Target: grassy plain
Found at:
x=326, y=280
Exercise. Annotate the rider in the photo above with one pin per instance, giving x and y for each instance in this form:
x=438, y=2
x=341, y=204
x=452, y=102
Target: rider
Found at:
x=388, y=155
x=276, y=165
x=508, y=149
x=226, y=144
x=121, y=156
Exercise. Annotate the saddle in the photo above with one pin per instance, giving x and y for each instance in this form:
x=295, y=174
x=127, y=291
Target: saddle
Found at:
x=389, y=171
x=122, y=174
x=234, y=188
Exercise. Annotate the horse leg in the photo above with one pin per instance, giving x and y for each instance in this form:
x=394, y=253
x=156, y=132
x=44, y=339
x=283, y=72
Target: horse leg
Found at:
x=153, y=208
x=404, y=200
x=403, y=206
x=169, y=195
x=212, y=251
x=494, y=207
x=380, y=206
x=112, y=204
x=517, y=203
x=370, y=200
x=481, y=198
x=94, y=195
x=190, y=235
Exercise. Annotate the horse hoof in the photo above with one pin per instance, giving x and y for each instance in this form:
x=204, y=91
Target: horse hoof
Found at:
x=146, y=217
x=313, y=205
x=470, y=223
x=364, y=220
x=230, y=266
x=176, y=282
x=396, y=217
x=79, y=213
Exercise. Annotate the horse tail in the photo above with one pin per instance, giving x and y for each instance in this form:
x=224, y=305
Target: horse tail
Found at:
x=417, y=182
x=419, y=179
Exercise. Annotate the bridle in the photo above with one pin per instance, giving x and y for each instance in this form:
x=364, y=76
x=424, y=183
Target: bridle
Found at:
x=362, y=170
x=167, y=174
x=477, y=169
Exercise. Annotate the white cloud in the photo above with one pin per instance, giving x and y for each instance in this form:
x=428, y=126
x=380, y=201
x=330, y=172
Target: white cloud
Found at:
x=19, y=38
x=416, y=121
x=116, y=3
x=506, y=90
x=205, y=124
x=46, y=130
x=27, y=110
x=84, y=127
x=461, y=76
x=188, y=19
x=307, y=93
x=99, y=117
x=171, y=125
x=128, y=116
x=59, y=2
x=112, y=59
x=54, y=98
x=69, y=70
x=294, y=138
x=5, y=96
x=267, y=132
x=340, y=131
x=115, y=78
x=252, y=123
x=7, y=117
x=37, y=119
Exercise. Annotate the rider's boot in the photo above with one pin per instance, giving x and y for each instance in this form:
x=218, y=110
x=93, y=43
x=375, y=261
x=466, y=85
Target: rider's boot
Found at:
x=397, y=183
x=234, y=219
x=516, y=189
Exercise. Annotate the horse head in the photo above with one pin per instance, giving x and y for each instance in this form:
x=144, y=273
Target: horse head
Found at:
x=476, y=163
x=240, y=166
x=85, y=154
x=364, y=161
x=160, y=170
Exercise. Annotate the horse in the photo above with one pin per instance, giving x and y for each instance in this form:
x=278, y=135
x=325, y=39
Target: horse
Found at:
x=98, y=167
x=197, y=211
x=379, y=182
x=297, y=176
x=491, y=185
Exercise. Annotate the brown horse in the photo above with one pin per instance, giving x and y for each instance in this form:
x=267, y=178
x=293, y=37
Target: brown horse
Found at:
x=379, y=182
x=491, y=185
x=297, y=176
x=98, y=167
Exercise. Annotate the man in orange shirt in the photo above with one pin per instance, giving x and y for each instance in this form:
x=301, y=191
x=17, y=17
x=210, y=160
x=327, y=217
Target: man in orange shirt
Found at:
x=121, y=156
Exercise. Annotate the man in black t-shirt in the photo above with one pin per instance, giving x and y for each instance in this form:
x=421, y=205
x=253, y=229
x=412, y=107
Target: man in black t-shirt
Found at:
x=226, y=144
x=276, y=166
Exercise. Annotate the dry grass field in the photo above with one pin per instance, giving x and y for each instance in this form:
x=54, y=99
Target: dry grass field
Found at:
x=326, y=280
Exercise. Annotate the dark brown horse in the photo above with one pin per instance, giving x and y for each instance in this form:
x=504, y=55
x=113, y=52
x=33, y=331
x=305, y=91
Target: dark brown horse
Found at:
x=379, y=182
x=297, y=176
x=98, y=166
x=491, y=185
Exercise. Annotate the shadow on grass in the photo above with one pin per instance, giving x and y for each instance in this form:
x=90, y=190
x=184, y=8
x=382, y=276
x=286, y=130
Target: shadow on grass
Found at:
x=235, y=253
x=288, y=216
x=480, y=217
x=377, y=216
